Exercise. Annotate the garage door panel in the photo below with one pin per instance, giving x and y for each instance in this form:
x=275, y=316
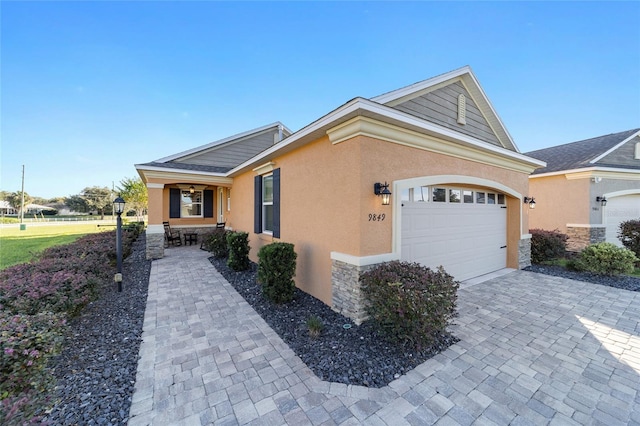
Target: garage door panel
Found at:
x=467, y=240
x=618, y=210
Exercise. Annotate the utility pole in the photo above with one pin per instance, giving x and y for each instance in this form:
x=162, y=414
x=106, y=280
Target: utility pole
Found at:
x=22, y=204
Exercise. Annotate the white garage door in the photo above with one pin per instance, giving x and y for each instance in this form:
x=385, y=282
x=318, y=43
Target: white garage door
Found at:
x=467, y=239
x=618, y=210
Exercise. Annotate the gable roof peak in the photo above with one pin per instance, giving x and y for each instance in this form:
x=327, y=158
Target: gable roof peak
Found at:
x=421, y=85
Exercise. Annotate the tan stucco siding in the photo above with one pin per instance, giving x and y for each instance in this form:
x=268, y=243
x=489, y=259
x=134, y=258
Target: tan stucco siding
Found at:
x=327, y=199
x=559, y=201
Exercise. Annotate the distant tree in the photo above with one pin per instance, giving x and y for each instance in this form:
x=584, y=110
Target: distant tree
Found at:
x=76, y=204
x=15, y=199
x=97, y=198
x=4, y=195
x=134, y=192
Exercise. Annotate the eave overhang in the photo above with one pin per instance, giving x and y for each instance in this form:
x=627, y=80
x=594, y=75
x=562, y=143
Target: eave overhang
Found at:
x=589, y=172
x=161, y=174
x=414, y=131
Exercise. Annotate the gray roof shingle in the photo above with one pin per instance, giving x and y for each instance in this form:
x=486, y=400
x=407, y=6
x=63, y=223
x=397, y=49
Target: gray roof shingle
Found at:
x=189, y=167
x=577, y=155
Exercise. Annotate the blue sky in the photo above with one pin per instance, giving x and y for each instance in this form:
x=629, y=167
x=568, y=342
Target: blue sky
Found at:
x=88, y=89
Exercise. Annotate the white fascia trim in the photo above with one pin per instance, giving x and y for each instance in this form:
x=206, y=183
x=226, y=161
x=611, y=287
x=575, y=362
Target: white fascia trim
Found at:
x=492, y=154
x=601, y=156
x=525, y=236
x=155, y=185
x=587, y=172
x=345, y=109
x=363, y=260
x=376, y=108
x=584, y=225
x=222, y=141
x=421, y=85
x=176, y=170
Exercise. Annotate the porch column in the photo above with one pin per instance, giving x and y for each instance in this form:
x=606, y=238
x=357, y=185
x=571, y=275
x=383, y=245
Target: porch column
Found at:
x=155, y=229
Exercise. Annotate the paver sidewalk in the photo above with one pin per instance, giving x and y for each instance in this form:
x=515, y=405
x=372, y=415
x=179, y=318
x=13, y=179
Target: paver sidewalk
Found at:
x=534, y=350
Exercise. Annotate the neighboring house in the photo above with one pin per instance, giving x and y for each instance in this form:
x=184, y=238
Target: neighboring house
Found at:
x=5, y=208
x=457, y=183
x=588, y=188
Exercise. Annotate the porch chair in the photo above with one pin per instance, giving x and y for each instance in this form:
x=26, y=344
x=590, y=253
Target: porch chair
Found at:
x=172, y=237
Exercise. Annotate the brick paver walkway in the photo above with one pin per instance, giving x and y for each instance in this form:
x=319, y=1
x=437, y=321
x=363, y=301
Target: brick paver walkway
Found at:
x=534, y=350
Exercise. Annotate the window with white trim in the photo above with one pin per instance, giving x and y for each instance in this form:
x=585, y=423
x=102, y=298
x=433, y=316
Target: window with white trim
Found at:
x=452, y=195
x=267, y=203
x=190, y=203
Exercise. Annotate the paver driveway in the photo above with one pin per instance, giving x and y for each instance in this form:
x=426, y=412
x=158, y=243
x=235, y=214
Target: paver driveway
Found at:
x=534, y=349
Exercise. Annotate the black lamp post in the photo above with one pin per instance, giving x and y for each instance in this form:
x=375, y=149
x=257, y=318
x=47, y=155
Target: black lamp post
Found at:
x=118, y=205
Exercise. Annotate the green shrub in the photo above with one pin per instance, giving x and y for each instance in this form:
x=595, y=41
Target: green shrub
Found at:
x=547, y=245
x=238, y=243
x=409, y=302
x=216, y=243
x=276, y=269
x=27, y=342
x=629, y=235
x=606, y=259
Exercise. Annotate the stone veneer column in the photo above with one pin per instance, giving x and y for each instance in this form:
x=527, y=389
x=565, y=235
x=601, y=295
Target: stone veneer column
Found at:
x=581, y=236
x=346, y=296
x=155, y=243
x=524, y=252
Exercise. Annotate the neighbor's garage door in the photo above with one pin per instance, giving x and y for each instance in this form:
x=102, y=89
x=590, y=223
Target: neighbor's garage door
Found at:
x=467, y=239
x=618, y=210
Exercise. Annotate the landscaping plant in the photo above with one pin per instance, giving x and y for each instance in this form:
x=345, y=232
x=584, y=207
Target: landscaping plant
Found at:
x=547, y=245
x=629, y=235
x=216, y=243
x=276, y=269
x=35, y=299
x=605, y=259
x=409, y=302
x=238, y=243
x=315, y=326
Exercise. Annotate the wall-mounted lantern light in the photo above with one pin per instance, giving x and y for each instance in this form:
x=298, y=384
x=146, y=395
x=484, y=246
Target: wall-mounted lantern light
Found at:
x=192, y=189
x=383, y=190
x=531, y=201
x=602, y=200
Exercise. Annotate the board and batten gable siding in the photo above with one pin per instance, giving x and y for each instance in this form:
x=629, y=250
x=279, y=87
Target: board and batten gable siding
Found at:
x=623, y=156
x=232, y=153
x=441, y=107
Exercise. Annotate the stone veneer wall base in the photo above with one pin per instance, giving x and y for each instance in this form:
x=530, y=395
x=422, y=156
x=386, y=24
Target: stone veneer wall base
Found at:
x=582, y=236
x=347, y=298
x=155, y=246
x=524, y=253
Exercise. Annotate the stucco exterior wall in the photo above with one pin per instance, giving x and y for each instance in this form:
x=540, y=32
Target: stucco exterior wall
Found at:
x=559, y=201
x=327, y=196
x=604, y=187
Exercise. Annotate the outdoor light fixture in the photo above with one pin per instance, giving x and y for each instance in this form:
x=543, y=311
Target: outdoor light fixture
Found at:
x=531, y=201
x=118, y=206
x=192, y=189
x=602, y=200
x=383, y=190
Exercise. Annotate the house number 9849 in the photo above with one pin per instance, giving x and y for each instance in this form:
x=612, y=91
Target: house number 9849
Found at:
x=376, y=217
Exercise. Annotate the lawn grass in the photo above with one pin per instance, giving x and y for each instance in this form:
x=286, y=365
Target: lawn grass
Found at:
x=18, y=246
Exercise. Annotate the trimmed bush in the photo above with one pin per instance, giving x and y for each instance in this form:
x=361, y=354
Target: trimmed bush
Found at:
x=216, y=243
x=26, y=344
x=34, y=299
x=410, y=303
x=547, y=245
x=605, y=259
x=276, y=269
x=629, y=235
x=238, y=243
